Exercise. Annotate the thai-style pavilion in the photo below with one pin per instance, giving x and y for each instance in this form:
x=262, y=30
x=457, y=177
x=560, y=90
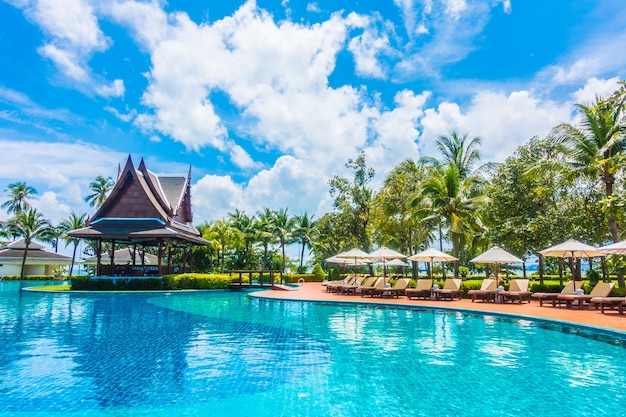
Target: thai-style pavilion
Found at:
x=144, y=210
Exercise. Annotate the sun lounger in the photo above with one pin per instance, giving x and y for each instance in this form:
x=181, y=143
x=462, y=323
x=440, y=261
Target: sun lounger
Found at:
x=451, y=289
x=335, y=286
x=343, y=288
x=611, y=302
x=552, y=296
x=486, y=292
x=602, y=289
x=370, y=290
x=518, y=290
x=422, y=289
x=355, y=288
x=395, y=291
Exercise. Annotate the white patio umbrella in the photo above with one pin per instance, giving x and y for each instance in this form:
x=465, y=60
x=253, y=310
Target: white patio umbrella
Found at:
x=496, y=256
x=344, y=261
x=573, y=249
x=432, y=255
x=355, y=254
x=384, y=253
x=618, y=248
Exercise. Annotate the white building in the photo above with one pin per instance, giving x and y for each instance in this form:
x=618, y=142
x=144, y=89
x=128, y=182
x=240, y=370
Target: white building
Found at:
x=38, y=260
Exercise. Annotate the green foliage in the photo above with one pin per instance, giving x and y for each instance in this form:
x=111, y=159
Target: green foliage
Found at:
x=168, y=282
x=318, y=272
x=463, y=271
x=29, y=277
x=335, y=274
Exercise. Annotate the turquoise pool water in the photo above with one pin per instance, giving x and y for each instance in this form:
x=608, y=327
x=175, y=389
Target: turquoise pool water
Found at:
x=225, y=354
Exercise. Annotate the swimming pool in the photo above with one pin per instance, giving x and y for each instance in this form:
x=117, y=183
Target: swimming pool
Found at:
x=224, y=354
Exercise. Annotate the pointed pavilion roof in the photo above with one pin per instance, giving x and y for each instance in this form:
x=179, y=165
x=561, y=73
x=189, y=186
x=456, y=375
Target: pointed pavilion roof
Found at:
x=144, y=207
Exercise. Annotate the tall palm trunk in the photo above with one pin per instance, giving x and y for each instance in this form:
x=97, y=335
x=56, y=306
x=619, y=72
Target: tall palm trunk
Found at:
x=73, y=259
x=24, y=261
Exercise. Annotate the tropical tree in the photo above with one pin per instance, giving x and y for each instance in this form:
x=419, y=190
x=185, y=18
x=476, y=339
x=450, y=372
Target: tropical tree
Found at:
x=394, y=219
x=245, y=225
x=30, y=225
x=18, y=195
x=265, y=232
x=304, y=232
x=100, y=188
x=283, y=227
x=596, y=149
x=458, y=201
x=459, y=151
x=224, y=237
x=353, y=201
x=73, y=222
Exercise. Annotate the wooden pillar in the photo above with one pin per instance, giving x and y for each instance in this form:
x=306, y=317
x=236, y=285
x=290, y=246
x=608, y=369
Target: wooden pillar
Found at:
x=113, y=257
x=160, y=256
x=134, y=254
x=99, y=258
x=169, y=257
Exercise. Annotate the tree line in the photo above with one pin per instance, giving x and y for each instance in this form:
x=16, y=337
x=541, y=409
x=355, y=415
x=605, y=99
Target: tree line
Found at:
x=569, y=184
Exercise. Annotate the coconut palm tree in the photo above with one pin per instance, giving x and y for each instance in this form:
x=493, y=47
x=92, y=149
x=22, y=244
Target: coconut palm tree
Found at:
x=18, y=195
x=265, y=232
x=304, y=232
x=283, y=227
x=459, y=152
x=30, y=225
x=597, y=147
x=73, y=222
x=457, y=201
x=245, y=225
x=100, y=188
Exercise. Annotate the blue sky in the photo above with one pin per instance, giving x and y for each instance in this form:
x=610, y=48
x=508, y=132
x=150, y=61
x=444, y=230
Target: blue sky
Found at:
x=267, y=100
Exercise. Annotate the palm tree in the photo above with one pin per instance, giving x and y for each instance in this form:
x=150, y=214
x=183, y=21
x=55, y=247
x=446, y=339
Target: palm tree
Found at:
x=457, y=151
x=597, y=148
x=283, y=230
x=30, y=225
x=304, y=232
x=100, y=188
x=245, y=225
x=18, y=195
x=457, y=201
x=265, y=234
x=73, y=222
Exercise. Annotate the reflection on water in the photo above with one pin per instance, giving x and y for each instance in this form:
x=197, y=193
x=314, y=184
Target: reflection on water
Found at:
x=223, y=354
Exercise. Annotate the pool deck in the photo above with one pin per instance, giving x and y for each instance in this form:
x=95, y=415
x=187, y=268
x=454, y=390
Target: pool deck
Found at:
x=313, y=291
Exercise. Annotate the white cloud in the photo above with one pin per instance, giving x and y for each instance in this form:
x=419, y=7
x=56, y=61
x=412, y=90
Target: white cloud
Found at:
x=74, y=36
x=240, y=157
x=51, y=207
x=595, y=87
x=503, y=121
x=366, y=49
x=313, y=7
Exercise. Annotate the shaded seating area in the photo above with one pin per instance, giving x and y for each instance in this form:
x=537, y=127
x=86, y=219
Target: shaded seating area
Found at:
x=421, y=290
x=144, y=212
x=518, y=291
x=487, y=291
x=551, y=297
x=451, y=290
x=602, y=289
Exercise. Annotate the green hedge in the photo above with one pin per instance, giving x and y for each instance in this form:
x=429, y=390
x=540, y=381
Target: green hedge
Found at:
x=168, y=282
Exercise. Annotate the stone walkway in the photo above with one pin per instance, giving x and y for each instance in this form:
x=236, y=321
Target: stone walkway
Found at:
x=316, y=292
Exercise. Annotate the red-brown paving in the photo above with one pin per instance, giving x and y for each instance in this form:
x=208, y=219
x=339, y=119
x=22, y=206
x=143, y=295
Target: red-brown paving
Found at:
x=316, y=292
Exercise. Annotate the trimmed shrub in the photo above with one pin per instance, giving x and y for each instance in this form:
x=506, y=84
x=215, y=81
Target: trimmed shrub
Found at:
x=168, y=282
x=318, y=272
